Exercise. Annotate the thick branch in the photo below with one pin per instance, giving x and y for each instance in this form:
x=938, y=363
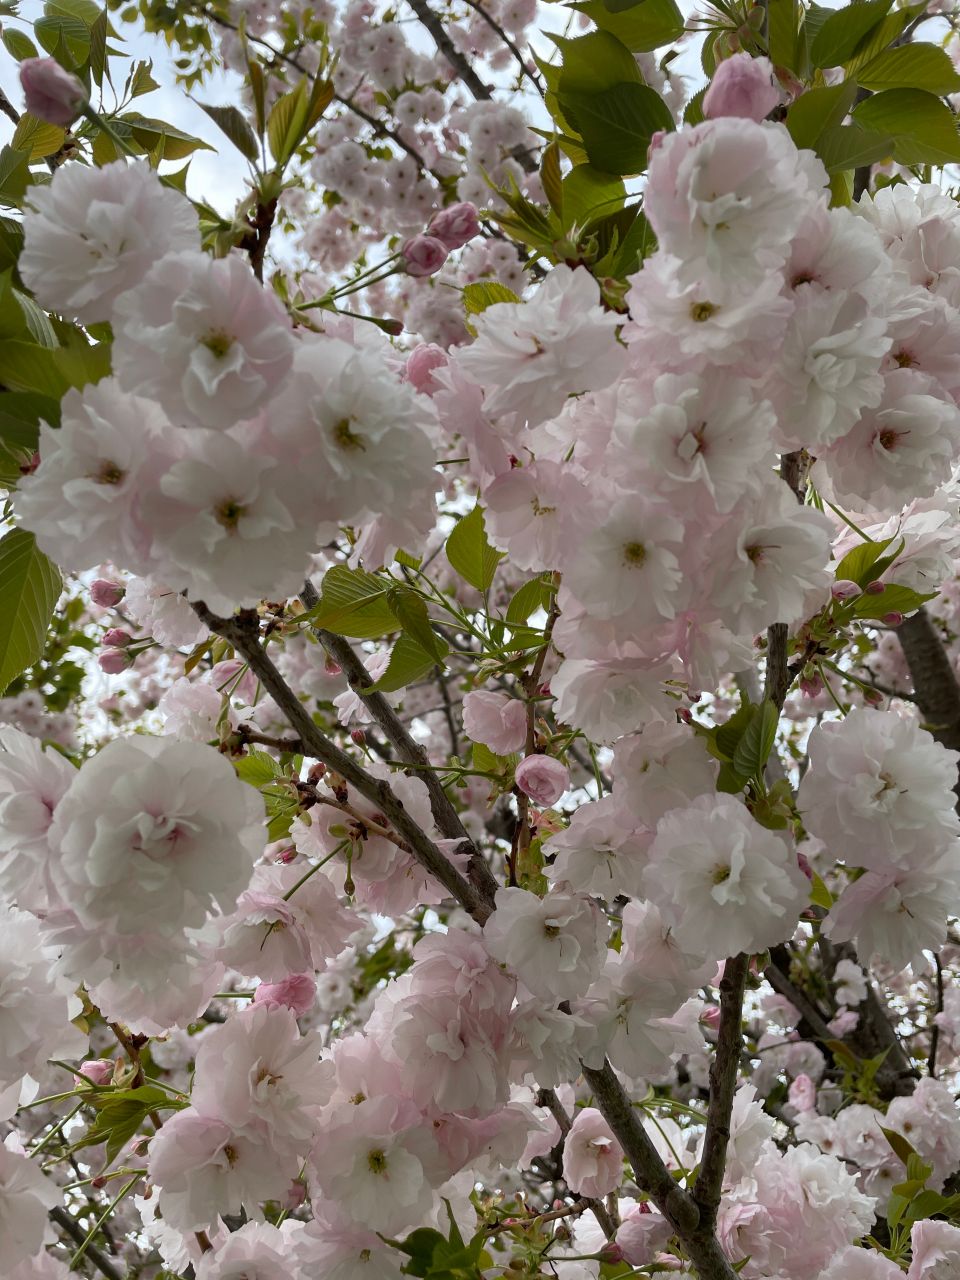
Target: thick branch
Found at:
x=724, y=1072
x=453, y=55
x=243, y=632
x=676, y=1205
x=934, y=682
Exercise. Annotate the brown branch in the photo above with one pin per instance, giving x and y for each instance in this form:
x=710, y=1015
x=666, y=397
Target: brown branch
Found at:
x=518, y=56
x=243, y=632
x=408, y=750
x=724, y=1072
x=651, y=1174
x=934, y=681
x=8, y=109
x=457, y=59
x=78, y=1235
x=935, y=1033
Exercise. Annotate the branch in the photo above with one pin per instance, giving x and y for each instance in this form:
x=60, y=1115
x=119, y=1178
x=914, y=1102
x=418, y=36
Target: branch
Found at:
x=408, y=750
x=934, y=681
x=724, y=1072
x=534, y=79
x=78, y=1235
x=676, y=1205
x=935, y=1033
x=457, y=60
x=243, y=633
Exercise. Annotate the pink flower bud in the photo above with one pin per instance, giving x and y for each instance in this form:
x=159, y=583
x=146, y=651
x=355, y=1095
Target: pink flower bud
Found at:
x=316, y=772
x=892, y=619
x=802, y=1094
x=542, y=778
x=97, y=1071
x=423, y=255
x=872, y=697
x=358, y=736
x=107, y=593
x=294, y=1197
x=875, y=588
x=298, y=992
x=742, y=86
x=496, y=720
x=420, y=365
x=844, y=1021
x=611, y=1252
x=117, y=637
x=811, y=685
x=455, y=225
x=844, y=589
x=51, y=93
x=711, y=1017
x=113, y=661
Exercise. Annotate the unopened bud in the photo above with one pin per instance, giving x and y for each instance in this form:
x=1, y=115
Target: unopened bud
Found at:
x=892, y=619
x=358, y=736
x=611, y=1252
x=50, y=92
x=875, y=588
x=316, y=772
x=845, y=589
x=113, y=661
x=873, y=697
x=116, y=637
x=106, y=593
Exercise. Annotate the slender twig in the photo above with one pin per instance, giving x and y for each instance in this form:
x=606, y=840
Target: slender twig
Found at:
x=458, y=60
x=935, y=1033
x=518, y=56
x=724, y=1071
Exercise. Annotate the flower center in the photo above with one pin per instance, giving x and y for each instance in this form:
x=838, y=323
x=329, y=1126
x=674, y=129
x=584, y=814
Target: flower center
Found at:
x=377, y=1162
x=701, y=311
x=109, y=473
x=346, y=438
x=217, y=343
x=228, y=513
x=634, y=554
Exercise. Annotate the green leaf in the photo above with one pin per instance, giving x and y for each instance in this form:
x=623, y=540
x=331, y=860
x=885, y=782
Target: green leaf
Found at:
x=232, y=122
x=892, y=599
x=294, y=114
x=901, y=1147
x=60, y=33
x=354, y=603
x=550, y=177
x=157, y=137
x=533, y=595
x=14, y=176
x=409, y=662
x=637, y=244
x=693, y=111
x=485, y=293
x=37, y=138
x=594, y=62
x=18, y=45
x=911, y=66
x=486, y=761
x=24, y=366
x=617, y=124
x=847, y=146
x=258, y=768
x=842, y=32
x=642, y=25
x=81, y=363
x=85, y=10
x=818, y=110
x=20, y=415
x=924, y=129
x=412, y=615
x=820, y=895
x=726, y=736
x=29, y=590
x=469, y=552
x=140, y=81
x=729, y=781
x=754, y=747
x=858, y=564
x=588, y=193
x=786, y=42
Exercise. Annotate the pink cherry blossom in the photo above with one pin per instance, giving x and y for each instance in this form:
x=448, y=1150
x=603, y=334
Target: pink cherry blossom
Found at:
x=50, y=92
x=496, y=720
x=741, y=86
